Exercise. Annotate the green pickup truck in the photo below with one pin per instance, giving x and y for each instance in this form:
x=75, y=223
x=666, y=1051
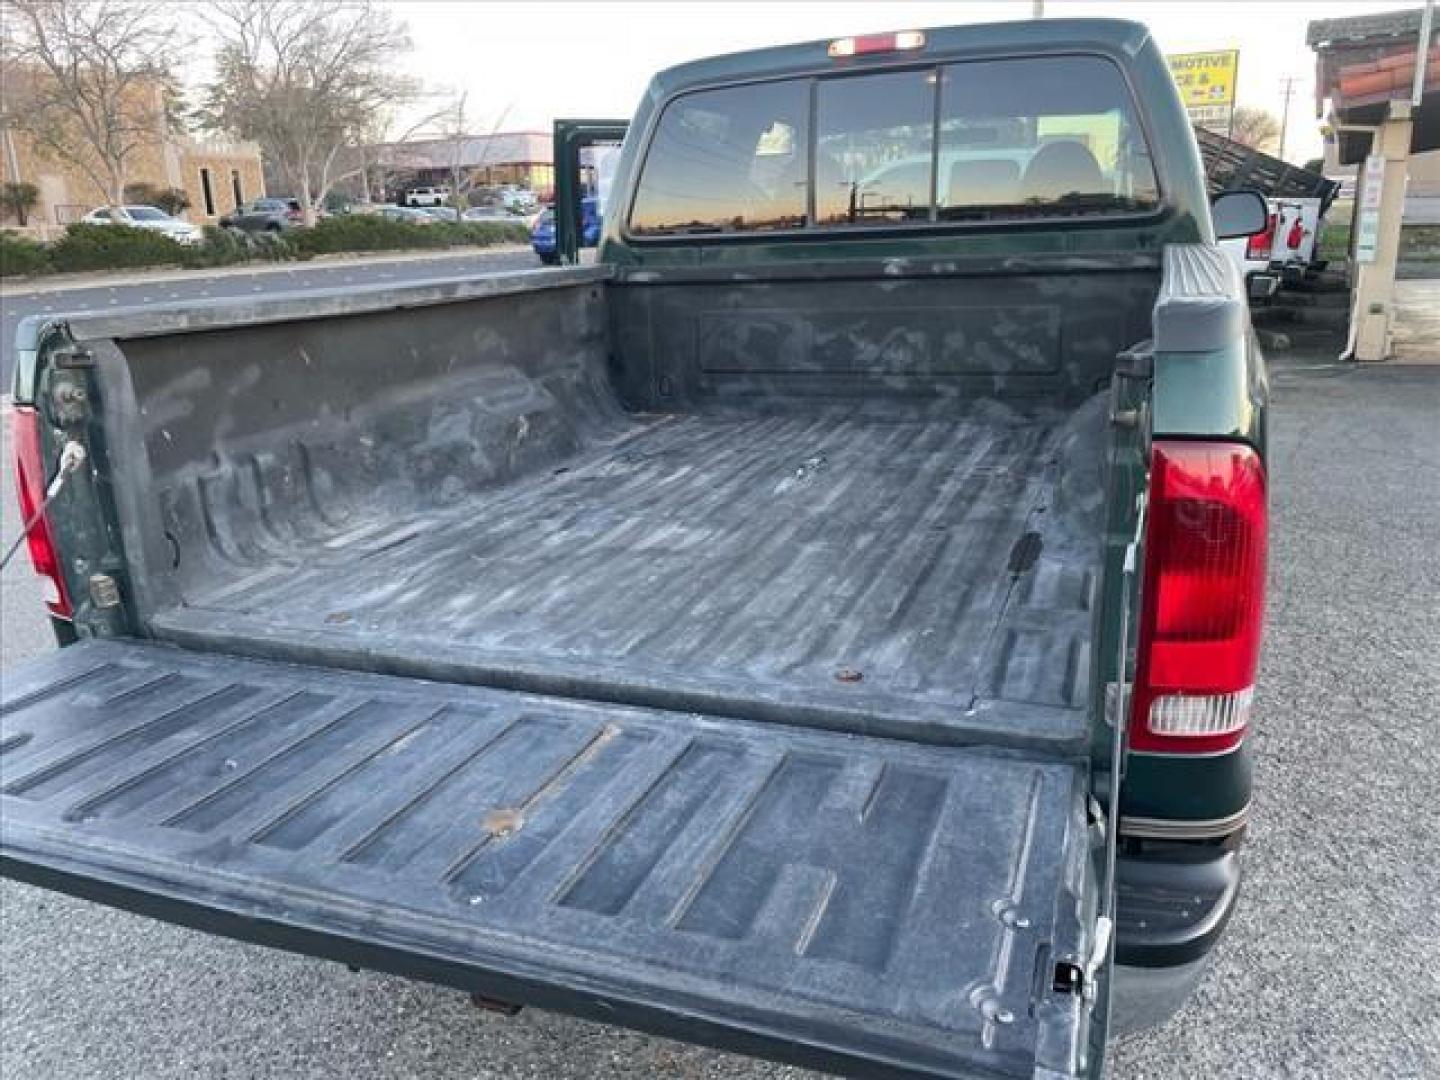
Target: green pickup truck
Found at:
x=825, y=629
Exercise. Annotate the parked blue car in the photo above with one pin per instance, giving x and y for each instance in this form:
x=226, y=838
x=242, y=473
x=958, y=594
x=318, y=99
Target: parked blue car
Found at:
x=542, y=236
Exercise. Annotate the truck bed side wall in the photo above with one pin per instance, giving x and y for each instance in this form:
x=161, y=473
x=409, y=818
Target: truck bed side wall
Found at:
x=236, y=447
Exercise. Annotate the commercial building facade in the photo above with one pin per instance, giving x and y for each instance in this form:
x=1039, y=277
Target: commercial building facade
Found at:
x=215, y=175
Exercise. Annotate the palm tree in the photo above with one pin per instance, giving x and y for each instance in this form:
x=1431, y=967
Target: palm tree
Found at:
x=18, y=199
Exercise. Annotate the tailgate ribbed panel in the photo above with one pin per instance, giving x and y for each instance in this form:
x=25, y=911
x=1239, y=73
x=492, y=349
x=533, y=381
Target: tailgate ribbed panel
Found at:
x=867, y=899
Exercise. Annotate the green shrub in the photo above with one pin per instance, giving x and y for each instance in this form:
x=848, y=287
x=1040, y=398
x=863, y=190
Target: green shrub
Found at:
x=86, y=246
x=219, y=248
x=21, y=256
x=363, y=232
x=113, y=247
x=228, y=247
x=371, y=232
x=487, y=233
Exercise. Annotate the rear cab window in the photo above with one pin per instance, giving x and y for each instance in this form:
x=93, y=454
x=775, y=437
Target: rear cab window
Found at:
x=1015, y=139
x=727, y=161
x=872, y=148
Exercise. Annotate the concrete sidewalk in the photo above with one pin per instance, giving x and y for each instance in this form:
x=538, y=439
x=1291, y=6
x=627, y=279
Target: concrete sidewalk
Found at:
x=1417, y=321
x=40, y=286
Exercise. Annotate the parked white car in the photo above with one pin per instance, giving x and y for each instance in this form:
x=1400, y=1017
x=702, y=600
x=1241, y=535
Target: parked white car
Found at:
x=518, y=200
x=427, y=196
x=151, y=218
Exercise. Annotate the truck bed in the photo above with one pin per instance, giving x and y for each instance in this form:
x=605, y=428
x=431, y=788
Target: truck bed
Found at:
x=460, y=490
x=860, y=569
x=534, y=638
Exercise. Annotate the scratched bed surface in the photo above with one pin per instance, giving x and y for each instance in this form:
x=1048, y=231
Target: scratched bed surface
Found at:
x=896, y=567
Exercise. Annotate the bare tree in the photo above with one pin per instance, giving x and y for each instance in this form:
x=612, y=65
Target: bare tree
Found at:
x=91, y=81
x=462, y=174
x=458, y=175
x=1256, y=128
x=309, y=82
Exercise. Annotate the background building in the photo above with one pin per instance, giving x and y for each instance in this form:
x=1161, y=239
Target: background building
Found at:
x=1362, y=64
x=215, y=175
x=523, y=159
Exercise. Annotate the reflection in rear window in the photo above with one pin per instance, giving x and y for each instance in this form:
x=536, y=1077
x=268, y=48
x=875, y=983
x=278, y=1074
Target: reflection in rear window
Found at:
x=730, y=160
x=1040, y=138
x=1013, y=139
x=872, y=156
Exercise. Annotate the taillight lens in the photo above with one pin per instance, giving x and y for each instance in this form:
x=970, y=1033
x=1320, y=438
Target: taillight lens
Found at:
x=1203, y=601
x=1259, y=245
x=30, y=481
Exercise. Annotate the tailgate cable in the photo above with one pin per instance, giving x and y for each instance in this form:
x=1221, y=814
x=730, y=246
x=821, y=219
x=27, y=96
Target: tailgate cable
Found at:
x=1105, y=924
x=72, y=456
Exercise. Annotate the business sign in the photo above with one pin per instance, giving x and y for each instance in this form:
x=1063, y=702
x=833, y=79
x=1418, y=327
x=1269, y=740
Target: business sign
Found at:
x=1207, y=85
x=1367, y=215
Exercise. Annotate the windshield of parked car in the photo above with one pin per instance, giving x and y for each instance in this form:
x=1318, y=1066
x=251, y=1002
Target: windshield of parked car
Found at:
x=1015, y=138
x=146, y=213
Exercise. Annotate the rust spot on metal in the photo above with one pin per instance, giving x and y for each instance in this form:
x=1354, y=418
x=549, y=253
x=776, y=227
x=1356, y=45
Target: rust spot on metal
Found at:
x=849, y=674
x=503, y=821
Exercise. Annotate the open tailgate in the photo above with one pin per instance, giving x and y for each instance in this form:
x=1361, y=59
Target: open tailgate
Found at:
x=849, y=903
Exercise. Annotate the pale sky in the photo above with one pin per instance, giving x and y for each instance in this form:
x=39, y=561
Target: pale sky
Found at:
x=532, y=62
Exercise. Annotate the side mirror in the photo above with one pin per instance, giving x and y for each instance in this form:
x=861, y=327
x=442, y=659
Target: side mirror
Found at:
x=1239, y=213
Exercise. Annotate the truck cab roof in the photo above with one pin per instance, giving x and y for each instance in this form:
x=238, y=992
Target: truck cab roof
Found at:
x=1105, y=35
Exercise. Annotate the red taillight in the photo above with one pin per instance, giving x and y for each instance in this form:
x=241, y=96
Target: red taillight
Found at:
x=30, y=481
x=1296, y=235
x=898, y=41
x=1203, y=602
x=1259, y=245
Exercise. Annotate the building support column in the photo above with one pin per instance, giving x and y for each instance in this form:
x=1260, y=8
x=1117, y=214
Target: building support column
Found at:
x=1374, y=289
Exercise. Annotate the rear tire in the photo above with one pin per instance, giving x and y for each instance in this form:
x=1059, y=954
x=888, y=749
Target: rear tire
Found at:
x=550, y=260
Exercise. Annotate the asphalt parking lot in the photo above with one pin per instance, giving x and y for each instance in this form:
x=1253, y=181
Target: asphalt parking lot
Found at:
x=1330, y=969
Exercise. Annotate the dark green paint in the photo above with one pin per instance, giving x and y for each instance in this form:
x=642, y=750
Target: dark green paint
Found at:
x=572, y=136
x=1184, y=217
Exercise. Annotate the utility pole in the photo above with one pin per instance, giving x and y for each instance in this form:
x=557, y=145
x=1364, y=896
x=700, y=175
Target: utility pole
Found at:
x=1288, y=84
x=1037, y=9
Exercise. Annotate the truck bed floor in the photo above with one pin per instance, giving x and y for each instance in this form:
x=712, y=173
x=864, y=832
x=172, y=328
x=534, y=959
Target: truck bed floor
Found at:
x=892, y=576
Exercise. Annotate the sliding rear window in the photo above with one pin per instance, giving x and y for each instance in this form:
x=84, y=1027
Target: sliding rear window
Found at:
x=872, y=148
x=727, y=161
x=1054, y=137
x=1015, y=139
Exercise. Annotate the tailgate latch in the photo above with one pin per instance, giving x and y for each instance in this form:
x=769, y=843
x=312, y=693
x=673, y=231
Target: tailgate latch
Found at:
x=1099, y=951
